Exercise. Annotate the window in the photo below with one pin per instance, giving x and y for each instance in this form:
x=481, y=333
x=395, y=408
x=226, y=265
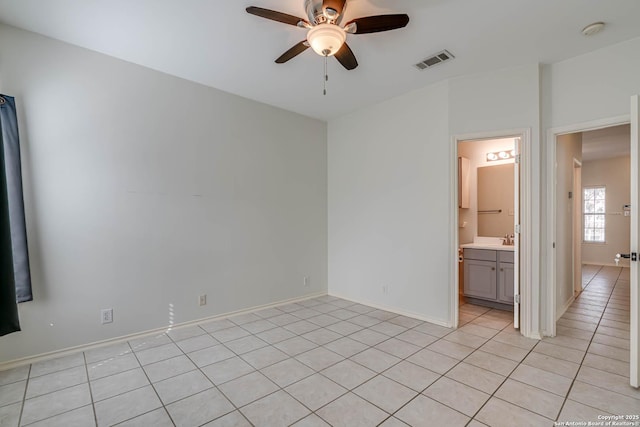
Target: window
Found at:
x=594, y=214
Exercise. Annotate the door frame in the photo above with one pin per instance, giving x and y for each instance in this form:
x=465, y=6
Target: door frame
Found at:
x=528, y=295
x=576, y=227
x=634, y=332
x=549, y=320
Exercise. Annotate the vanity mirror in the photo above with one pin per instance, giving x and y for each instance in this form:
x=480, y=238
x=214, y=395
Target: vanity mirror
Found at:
x=495, y=200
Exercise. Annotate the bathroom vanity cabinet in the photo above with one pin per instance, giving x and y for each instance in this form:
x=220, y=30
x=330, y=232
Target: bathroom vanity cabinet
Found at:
x=489, y=277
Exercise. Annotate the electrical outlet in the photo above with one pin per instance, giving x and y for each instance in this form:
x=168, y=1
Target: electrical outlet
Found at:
x=202, y=300
x=305, y=281
x=106, y=315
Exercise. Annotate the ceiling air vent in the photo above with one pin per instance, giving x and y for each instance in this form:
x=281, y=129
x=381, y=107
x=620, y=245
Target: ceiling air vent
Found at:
x=438, y=58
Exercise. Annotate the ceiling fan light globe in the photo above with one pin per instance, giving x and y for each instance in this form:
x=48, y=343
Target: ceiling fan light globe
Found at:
x=326, y=39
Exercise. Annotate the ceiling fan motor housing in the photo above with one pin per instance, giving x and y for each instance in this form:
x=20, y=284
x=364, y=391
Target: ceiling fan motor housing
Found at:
x=317, y=15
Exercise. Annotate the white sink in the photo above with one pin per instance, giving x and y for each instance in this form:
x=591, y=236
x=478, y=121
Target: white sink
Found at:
x=491, y=243
x=488, y=246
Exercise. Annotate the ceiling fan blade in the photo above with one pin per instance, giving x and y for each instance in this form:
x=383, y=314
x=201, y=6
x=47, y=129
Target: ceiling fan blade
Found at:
x=337, y=5
x=293, y=52
x=378, y=23
x=275, y=16
x=346, y=57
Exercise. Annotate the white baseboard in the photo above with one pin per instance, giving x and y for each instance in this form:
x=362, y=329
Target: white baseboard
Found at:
x=565, y=307
x=394, y=310
x=606, y=264
x=535, y=336
x=84, y=347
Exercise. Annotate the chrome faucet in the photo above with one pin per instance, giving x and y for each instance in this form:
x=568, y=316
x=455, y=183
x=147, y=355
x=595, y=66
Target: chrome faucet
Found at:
x=507, y=240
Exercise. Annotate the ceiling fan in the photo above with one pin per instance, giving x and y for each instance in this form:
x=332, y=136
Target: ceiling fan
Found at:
x=326, y=36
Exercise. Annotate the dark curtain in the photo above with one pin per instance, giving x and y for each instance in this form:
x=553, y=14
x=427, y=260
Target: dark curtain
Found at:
x=15, y=277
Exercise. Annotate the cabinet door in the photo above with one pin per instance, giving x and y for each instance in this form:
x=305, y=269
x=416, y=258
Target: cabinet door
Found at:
x=505, y=282
x=480, y=279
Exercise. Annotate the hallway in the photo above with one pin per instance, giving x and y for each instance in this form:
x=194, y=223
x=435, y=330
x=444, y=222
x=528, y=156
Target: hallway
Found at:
x=577, y=376
x=594, y=332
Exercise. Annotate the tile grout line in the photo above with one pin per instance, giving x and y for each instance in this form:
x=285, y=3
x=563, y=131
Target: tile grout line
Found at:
x=317, y=346
x=93, y=405
x=509, y=377
x=320, y=327
x=288, y=356
x=584, y=289
x=609, y=373
x=568, y=390
x=51, y=392
x=327, y=367
x=421, y=393
x=377, y=374
x=505, y=380
x=152, y=387
x=312, y=412
x=344, y=358
x=24, y=395
x=136, y=356
x=199, y=368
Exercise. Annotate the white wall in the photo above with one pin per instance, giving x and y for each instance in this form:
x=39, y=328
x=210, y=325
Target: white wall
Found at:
x=508, y=99
x=476, y=152
x=136, y=181
x=144, y=191
x=389, y=204
x=569, y=148
x=390, y=207
x=614, y=175
x=593, y=86
x=500, y=100
x=588, y=87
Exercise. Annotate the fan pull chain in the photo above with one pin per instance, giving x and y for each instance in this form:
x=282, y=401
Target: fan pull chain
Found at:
x=326, y=76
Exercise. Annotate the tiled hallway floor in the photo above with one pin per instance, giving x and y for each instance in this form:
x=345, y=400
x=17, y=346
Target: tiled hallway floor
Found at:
x=327, y=361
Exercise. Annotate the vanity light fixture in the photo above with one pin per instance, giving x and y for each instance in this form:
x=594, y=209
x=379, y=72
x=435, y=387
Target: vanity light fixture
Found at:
x=501, y=155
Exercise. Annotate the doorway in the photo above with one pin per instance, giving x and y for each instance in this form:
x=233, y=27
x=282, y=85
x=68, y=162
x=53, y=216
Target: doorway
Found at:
x=591, y=231
x=592, y=189
x=488, y=220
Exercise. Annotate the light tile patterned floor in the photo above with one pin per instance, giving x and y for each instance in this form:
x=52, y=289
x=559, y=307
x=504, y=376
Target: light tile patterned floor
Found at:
x=327, y=361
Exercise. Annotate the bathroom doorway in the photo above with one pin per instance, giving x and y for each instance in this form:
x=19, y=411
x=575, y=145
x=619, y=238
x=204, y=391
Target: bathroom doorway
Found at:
x=488, y=231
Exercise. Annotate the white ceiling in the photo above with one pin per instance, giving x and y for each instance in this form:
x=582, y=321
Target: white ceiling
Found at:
x=606, y=143
x=216, y=43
